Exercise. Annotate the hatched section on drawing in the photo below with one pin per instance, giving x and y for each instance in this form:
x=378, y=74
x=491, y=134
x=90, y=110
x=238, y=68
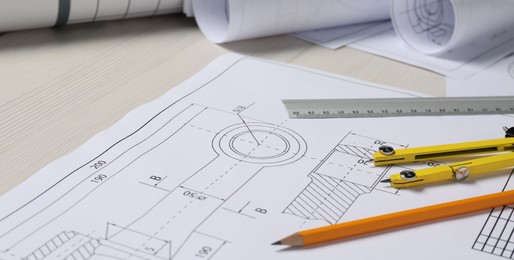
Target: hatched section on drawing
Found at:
x=66, y=239
x=325, y=198
x=50, y=246
x=86, y=251
x=496, y=236
x=357, y=151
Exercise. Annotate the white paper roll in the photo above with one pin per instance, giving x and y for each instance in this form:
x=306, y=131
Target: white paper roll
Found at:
x=440, y=26
x=230, y=20
x=28, y=14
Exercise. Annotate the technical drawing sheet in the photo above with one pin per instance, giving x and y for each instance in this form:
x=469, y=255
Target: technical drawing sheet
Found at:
x=339, y=36
x=439, y=27
x=214, y=169
x=455, y=38
x=460, y=64
x=380, y=38
x=496, y=80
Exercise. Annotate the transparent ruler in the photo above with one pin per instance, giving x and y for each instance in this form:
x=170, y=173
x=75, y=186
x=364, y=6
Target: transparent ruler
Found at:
x=395, y=107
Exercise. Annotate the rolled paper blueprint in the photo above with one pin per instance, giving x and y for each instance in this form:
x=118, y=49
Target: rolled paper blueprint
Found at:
x=440, y=26
x=28, y=14
x=230, y=20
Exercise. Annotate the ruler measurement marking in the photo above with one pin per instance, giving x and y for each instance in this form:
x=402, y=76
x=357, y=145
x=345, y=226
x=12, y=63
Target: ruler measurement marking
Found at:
x=395, y=107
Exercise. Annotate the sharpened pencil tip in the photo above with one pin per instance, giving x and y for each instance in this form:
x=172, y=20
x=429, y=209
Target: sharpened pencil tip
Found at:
x=277, y=243
x=385, y=180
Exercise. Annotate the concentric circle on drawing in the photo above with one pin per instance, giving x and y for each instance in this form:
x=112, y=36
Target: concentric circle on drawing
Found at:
x=260, y=143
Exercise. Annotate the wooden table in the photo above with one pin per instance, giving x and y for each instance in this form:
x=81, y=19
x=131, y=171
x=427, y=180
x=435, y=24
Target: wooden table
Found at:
x=59, y=87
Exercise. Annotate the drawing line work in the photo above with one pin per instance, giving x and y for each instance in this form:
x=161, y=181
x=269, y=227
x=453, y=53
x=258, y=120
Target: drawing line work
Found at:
x=18, y=15
x=236, y=154
x=71, y=245
x=52, y=249
x=429, y=17
x=97, y=10
x=213, y=171
x=456, y=28
x=339, y=179
x=241, y=151
x=497, y=235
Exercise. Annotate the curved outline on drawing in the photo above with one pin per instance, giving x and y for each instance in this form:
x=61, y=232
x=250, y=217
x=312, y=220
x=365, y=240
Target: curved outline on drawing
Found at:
x=427, y=17
x=277, y=145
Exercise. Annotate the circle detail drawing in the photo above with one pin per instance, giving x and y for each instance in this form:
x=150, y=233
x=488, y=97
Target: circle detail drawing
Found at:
x=260, y=143
x=428, y=17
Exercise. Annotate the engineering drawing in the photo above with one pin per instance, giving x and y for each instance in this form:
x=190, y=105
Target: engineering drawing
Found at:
x=203, y=169
x=428, y=17
x=496, y=236
x=339, y=179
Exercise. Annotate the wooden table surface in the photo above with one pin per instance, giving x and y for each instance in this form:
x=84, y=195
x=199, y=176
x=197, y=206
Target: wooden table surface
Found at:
x=59, y=87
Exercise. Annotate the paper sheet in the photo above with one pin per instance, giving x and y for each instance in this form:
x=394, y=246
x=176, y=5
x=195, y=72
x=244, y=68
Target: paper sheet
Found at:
x=381, y=39
x=457, y=65
x=467, y=36
x=214, y=169
x=496, y=80
x=27, y=14
x=337, y=37
x=224, y=21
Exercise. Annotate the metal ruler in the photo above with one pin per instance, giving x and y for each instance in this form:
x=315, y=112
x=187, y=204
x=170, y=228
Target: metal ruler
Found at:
x=395, y=107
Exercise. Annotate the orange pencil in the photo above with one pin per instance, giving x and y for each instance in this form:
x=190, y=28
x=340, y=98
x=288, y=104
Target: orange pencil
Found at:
x=397, y=219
